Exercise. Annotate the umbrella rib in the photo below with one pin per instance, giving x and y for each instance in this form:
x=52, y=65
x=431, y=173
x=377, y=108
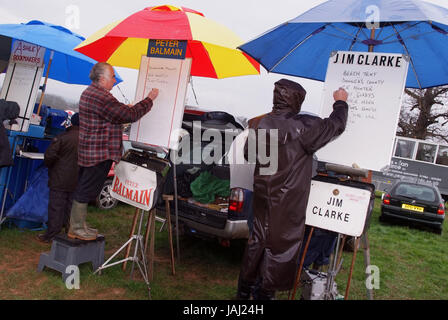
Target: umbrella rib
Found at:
x=298, y=45
x=355, y=39
x=407, y=52
x=404, y=29
x=343, y=31
x=379, y=34
x=363, y=32
x=421, y=34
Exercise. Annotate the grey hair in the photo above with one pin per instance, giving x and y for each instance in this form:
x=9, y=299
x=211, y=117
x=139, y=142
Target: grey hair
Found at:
x=98, y=70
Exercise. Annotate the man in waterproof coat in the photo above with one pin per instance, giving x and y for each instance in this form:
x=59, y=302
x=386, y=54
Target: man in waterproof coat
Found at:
x=280, y=198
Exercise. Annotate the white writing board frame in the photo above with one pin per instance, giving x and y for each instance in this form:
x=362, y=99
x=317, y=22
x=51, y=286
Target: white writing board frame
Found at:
x=171, y=77
x=22, y=83
x=375, y=83
x=337, y=208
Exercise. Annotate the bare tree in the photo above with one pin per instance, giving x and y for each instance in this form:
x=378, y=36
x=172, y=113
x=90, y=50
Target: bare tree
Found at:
x=425, y=114
x=58, y=102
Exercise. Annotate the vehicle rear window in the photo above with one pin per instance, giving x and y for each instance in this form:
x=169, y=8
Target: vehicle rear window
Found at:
x=416, y=192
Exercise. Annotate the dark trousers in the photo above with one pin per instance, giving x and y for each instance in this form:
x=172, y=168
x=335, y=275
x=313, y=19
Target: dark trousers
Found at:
x=90, y=181
x=59, y=207
x=320, y=247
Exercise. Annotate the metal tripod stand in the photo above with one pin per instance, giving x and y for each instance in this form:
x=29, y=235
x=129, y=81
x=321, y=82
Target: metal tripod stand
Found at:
x=138, y=250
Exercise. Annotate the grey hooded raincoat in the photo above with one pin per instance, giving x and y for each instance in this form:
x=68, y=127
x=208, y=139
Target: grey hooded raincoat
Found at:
x=280, y=199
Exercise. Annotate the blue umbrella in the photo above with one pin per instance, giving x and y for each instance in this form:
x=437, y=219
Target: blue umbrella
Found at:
x=302, y=46
x=67, y=65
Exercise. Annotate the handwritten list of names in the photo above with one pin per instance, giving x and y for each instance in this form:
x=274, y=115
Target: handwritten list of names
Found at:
x=375, y=84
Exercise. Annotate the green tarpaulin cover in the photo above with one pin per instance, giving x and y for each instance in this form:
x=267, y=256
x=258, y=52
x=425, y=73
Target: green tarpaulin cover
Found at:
x=207, y=186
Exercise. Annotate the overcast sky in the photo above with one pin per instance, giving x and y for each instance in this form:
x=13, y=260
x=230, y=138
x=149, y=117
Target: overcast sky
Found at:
x=246, y=96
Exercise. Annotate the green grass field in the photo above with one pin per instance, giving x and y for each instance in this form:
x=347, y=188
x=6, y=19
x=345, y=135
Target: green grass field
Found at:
x=413, y=264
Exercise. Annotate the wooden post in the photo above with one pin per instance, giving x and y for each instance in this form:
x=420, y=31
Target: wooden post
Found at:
x=45, y=82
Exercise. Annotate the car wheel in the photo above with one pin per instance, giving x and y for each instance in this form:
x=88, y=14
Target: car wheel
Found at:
x=438, y=230
x=104, y=200
x=382, y=218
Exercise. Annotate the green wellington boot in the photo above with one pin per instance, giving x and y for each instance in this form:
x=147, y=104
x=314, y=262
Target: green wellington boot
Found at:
x=78, y=228
x=92, y=230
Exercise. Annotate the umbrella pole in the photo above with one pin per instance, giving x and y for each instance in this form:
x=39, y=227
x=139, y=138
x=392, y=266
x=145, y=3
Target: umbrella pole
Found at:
x=45, y=82
x=175, y=207
x=372, y=36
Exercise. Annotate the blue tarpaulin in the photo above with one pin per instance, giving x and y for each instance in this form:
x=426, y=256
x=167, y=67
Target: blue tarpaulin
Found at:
x=32, y=206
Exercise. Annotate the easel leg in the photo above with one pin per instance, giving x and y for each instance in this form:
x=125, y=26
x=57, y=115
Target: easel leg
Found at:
x=170, y=234
x=341, y=249
x=128, y=249
x=299, y=272
x=366, y=246
x=148, y=229
x=151, y=244
x=351, y=268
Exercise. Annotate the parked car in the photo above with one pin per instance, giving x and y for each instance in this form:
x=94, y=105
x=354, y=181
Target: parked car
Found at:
x=416, y=203
x=226, y=218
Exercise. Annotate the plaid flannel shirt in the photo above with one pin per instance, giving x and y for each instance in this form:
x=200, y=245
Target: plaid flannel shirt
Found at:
x=100, y=125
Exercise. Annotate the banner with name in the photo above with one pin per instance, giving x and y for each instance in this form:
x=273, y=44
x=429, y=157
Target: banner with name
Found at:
x=174, y=49
x=22, y=80
x=337, y=208
x=375, y=83
x=134, y=185
x=27, y=53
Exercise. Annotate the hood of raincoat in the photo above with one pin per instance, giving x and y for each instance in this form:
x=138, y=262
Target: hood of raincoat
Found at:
x=288, y=96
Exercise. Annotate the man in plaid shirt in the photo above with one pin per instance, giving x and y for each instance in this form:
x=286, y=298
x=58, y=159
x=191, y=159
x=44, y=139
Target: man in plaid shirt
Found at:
x=101, y=117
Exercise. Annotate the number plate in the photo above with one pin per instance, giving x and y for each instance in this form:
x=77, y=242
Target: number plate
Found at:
x=413, y=208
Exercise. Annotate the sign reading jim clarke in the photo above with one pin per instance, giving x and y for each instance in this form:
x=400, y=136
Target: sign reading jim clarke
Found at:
x=337, y=208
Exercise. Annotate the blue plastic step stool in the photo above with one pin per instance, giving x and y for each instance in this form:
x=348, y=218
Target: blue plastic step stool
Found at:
x=65, y=252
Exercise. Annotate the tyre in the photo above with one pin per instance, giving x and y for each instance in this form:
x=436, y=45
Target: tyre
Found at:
x=438, y=230
x=383, y=219
x=104, y=200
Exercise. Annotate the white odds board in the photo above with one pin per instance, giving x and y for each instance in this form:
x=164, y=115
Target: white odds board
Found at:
x=171, y=77
x=375, y=82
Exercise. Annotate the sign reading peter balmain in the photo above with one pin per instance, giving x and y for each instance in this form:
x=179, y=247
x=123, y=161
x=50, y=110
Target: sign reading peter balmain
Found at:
x=134, y=185
x=337, y=208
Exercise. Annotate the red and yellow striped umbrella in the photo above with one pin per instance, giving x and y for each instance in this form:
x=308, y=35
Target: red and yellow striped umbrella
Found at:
x=211, y=46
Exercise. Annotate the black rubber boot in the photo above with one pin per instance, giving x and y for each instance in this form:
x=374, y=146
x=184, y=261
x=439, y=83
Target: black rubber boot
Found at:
x=263, y=294
x=244, y=290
